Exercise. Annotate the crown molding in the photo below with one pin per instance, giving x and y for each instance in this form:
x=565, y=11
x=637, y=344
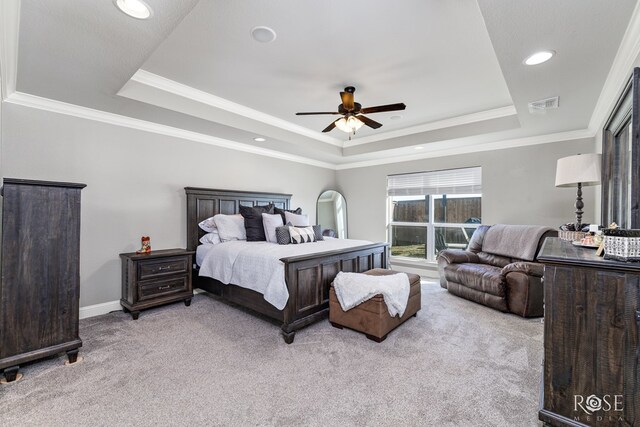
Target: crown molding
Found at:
x=436, y=149
x=445, y=148
x=618, y=73
x=59, y=107
x=480, y=116
x=9, y=27
x=170, y=86
x=173, y=87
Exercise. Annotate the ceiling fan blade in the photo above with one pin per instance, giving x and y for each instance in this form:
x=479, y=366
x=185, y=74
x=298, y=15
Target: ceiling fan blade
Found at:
x=347, y=100
x=330, y=127
x=367, y=121
x=319, y=112
x=383, y=108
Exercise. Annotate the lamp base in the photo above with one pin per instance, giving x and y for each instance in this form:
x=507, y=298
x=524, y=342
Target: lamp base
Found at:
x=579, y=205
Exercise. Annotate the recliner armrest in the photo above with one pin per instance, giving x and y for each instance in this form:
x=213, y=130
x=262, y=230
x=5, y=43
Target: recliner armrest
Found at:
x=458, y=256
x=453, y=256
x=528, y=268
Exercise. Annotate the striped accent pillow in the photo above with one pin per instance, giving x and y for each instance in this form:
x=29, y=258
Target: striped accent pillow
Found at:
x=302, y=234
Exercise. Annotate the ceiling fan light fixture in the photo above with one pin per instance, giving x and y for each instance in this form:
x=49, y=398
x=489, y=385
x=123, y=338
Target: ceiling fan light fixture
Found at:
x=134, y=8
x=354, y=123
x=353, y=115
x=349, y=125
x=342, y=125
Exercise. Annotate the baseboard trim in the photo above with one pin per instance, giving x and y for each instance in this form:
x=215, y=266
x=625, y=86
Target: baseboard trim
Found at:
x=108, y=307
x=99, y=309
x=426, y=272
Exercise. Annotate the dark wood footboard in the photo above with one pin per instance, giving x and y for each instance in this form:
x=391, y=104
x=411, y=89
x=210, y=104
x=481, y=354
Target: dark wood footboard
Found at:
x=307, y=276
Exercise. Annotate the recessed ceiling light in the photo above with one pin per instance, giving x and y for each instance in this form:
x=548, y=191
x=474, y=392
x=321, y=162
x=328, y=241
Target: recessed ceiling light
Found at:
x=539, y=57
x=419, y=147
x=134, y=8
x=259, y=139
x=396, y=117
x=263, y=34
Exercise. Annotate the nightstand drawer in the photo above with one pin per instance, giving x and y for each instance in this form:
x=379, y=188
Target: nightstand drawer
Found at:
x=162, y=267
x=159, y=288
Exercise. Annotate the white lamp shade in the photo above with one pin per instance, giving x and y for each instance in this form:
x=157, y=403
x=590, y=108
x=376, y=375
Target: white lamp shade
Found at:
x=583, y=169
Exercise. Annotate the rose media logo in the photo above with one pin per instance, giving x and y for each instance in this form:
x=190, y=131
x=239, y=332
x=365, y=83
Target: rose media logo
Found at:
x=611, y=404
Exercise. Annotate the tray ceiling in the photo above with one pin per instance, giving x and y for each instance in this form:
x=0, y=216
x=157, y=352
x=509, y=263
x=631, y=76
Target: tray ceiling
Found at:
x=456, y=65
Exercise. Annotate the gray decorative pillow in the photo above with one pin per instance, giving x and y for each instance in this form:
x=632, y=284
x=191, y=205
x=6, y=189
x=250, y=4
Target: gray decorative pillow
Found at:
x=317, y=230
x=302, y=234
x=282, y=235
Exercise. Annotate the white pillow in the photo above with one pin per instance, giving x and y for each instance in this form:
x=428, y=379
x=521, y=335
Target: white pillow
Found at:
x=208, y=225
x=230, y=227
x=301, y=220
x=270, y=222
x=212, y=238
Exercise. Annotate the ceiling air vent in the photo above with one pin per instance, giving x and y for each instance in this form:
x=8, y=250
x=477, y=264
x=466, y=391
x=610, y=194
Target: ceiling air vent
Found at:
x=540, y=107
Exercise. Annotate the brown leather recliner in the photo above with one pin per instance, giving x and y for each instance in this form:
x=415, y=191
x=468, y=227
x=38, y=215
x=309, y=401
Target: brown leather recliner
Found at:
x=498, y=268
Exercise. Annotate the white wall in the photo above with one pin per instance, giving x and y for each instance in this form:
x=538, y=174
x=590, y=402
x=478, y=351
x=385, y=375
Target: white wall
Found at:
x=517, y=187
x=135, y=183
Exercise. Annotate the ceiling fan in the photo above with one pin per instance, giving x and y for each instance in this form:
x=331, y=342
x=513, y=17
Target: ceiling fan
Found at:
x=352, y=113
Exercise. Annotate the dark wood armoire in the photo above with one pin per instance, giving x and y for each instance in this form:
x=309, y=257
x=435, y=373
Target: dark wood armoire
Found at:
x=40, y=288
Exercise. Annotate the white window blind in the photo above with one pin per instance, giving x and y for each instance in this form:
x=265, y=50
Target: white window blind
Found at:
x=450, y=181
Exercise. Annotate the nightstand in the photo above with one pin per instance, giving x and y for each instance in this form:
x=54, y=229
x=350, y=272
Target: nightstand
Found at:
x=156, y=278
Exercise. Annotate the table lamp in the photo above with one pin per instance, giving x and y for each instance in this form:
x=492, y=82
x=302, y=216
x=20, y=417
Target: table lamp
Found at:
x=578, y=171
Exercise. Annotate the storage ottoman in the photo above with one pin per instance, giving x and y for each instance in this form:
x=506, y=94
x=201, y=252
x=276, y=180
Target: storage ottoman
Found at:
x=372, y=316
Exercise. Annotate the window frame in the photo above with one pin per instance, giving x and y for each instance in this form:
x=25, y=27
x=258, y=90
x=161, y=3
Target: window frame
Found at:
x=430, y=226
x=620, y=186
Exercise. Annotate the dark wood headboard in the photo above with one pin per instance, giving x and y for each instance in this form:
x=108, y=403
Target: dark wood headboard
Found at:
x=203, y=203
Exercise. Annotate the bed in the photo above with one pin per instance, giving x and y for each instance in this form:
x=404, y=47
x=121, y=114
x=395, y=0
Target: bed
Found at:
x=307, y=277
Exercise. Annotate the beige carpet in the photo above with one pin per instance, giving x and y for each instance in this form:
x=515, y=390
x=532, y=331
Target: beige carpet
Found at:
x=457, y=363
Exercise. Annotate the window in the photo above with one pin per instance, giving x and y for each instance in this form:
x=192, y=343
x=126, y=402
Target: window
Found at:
x=621, y=159
x=432, y=211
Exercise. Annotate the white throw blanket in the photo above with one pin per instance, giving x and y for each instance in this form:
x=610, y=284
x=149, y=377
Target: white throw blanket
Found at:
x=353, y=289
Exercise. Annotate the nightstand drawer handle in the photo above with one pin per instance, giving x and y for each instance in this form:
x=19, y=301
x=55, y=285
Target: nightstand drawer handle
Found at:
x=163, y=287
x=164, y=268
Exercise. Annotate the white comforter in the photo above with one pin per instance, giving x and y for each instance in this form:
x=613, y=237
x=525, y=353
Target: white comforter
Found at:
x=257, y=265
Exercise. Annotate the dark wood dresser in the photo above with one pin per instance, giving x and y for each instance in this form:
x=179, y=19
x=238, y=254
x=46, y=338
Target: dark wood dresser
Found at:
x=40, y=290
x=156, y=278
x=591, y=338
